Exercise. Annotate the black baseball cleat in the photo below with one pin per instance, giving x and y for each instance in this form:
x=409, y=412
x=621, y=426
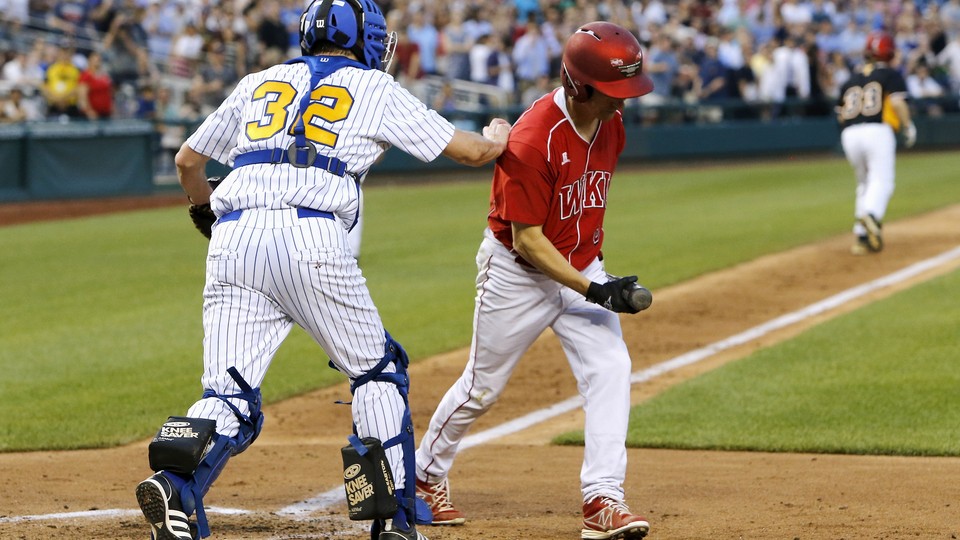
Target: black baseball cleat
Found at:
x=390, y=533
x=874, y=233
x=160, y=504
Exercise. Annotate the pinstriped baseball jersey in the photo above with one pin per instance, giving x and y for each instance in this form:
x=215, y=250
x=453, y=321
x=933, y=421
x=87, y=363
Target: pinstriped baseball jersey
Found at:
x=273, y=265
x=354, y=115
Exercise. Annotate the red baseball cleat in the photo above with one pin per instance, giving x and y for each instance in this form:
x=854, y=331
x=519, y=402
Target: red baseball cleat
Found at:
x=605, y=518
x=437, y=497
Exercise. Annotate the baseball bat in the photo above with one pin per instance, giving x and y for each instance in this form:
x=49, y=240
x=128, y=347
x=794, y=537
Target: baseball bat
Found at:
x=638, y=297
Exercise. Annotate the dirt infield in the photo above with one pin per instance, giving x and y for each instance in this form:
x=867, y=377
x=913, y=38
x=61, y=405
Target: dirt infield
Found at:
x=519, y=486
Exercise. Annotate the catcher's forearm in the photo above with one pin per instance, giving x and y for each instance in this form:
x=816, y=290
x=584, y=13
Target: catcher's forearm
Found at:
x=191, y=171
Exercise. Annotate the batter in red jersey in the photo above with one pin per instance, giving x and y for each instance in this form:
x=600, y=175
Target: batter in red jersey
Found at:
x=540, y=267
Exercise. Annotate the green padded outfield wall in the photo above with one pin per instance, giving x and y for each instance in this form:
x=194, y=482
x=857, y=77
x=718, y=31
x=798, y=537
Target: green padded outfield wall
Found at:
x=82, y=160
x=77, y=160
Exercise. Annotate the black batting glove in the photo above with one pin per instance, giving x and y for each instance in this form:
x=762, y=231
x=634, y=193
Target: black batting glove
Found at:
x=612, y=294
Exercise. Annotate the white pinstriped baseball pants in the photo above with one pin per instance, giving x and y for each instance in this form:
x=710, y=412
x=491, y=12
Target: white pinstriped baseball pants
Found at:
x=268, y=270
x=514, y=305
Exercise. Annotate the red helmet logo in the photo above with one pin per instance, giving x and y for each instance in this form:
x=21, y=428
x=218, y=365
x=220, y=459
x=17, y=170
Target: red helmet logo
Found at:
x=606, y=58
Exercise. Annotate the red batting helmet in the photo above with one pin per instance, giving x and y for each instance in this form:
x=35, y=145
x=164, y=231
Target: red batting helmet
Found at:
x=605, y=57
x=879, y=47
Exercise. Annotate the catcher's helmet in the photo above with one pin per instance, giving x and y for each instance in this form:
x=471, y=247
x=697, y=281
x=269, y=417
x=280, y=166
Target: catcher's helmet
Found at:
x=355, y=25
x=879, y=47
x=605, y=57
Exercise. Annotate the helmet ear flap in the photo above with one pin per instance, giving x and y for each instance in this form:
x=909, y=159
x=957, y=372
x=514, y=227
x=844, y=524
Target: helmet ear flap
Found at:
x=579, y=92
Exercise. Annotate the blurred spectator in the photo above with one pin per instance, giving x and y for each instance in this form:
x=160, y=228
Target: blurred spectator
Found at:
x=714, y=81
x=456, y=43
x=949, y=60
x=541, y=87
x=837, y=73
x=406, y=60
x=146, y=103
x=531, y=56
x=215, y=77
x=661, y=66
x=23, y=69
x=16, y=108
x=271, y=31
x=791, y=72
x=526, y=9
x=163, y=21
x=550, y=28
x=479, y=58
x=925, y=91
x=478, y=22
x=921, y=85
x=185, y=51
x=95, y=90
x=425, y=35
x=72, y=18
x=818, y=105
x=500, y=67
x=950, y=16
x=61, y=86
x=125, y=48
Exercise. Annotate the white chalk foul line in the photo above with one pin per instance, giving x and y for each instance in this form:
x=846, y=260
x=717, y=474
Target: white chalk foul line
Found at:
x=336, y=495
x=110, y=513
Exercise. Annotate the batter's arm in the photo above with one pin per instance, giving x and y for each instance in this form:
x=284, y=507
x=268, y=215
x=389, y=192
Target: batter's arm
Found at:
x=191, y=170
x=473, y=149
x=530, y=242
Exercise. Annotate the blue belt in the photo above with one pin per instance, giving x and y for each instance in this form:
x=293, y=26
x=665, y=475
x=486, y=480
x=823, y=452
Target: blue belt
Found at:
x=302, y=159
x=301, y=212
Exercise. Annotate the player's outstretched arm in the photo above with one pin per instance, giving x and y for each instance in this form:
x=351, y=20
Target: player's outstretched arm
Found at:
x=530, y=242
x=191, y=170
x=474, y=149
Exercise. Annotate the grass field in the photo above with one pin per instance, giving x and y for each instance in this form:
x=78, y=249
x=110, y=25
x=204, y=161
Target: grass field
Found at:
x=101, y=333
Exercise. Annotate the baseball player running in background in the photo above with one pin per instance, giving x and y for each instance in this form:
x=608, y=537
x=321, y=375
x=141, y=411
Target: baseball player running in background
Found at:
x=540, y=266
x=871, y=109
x=299, y=136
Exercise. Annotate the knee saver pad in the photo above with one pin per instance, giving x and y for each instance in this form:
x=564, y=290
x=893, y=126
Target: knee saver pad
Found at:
x=368, y=480
x=180, y=444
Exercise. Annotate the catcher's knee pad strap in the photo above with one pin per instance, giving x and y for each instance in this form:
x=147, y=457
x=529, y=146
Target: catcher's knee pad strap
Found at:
x=250, y=424
x=179, y=445
x=368, y=480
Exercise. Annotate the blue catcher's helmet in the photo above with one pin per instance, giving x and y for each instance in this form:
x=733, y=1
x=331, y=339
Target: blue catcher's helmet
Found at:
x=355, y=25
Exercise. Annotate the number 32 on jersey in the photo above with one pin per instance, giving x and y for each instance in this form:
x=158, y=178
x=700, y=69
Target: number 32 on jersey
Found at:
x=328, y=103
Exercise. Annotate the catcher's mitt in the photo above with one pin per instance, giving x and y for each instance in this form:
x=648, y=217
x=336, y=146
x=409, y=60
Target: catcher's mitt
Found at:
x=203, y=218
x=201, y=214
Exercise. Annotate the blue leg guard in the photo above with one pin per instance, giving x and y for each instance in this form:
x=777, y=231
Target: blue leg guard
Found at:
x=408, y=510
x=221, y=449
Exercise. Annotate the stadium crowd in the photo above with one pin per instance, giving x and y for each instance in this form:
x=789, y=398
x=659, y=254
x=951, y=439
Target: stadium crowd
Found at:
x=177, y=59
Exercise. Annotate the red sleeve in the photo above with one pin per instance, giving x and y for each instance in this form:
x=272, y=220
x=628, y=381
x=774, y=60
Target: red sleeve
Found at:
x=527, y=185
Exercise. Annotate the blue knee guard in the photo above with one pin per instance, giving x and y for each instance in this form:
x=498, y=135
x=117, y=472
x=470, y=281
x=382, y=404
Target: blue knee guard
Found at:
x=408, y=510
x=221, y=449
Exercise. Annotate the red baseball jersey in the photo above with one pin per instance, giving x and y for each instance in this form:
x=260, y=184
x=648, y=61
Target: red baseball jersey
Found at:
x=551, y=176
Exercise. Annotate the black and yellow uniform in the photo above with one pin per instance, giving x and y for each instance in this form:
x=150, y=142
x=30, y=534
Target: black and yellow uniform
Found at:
x=865, y=97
